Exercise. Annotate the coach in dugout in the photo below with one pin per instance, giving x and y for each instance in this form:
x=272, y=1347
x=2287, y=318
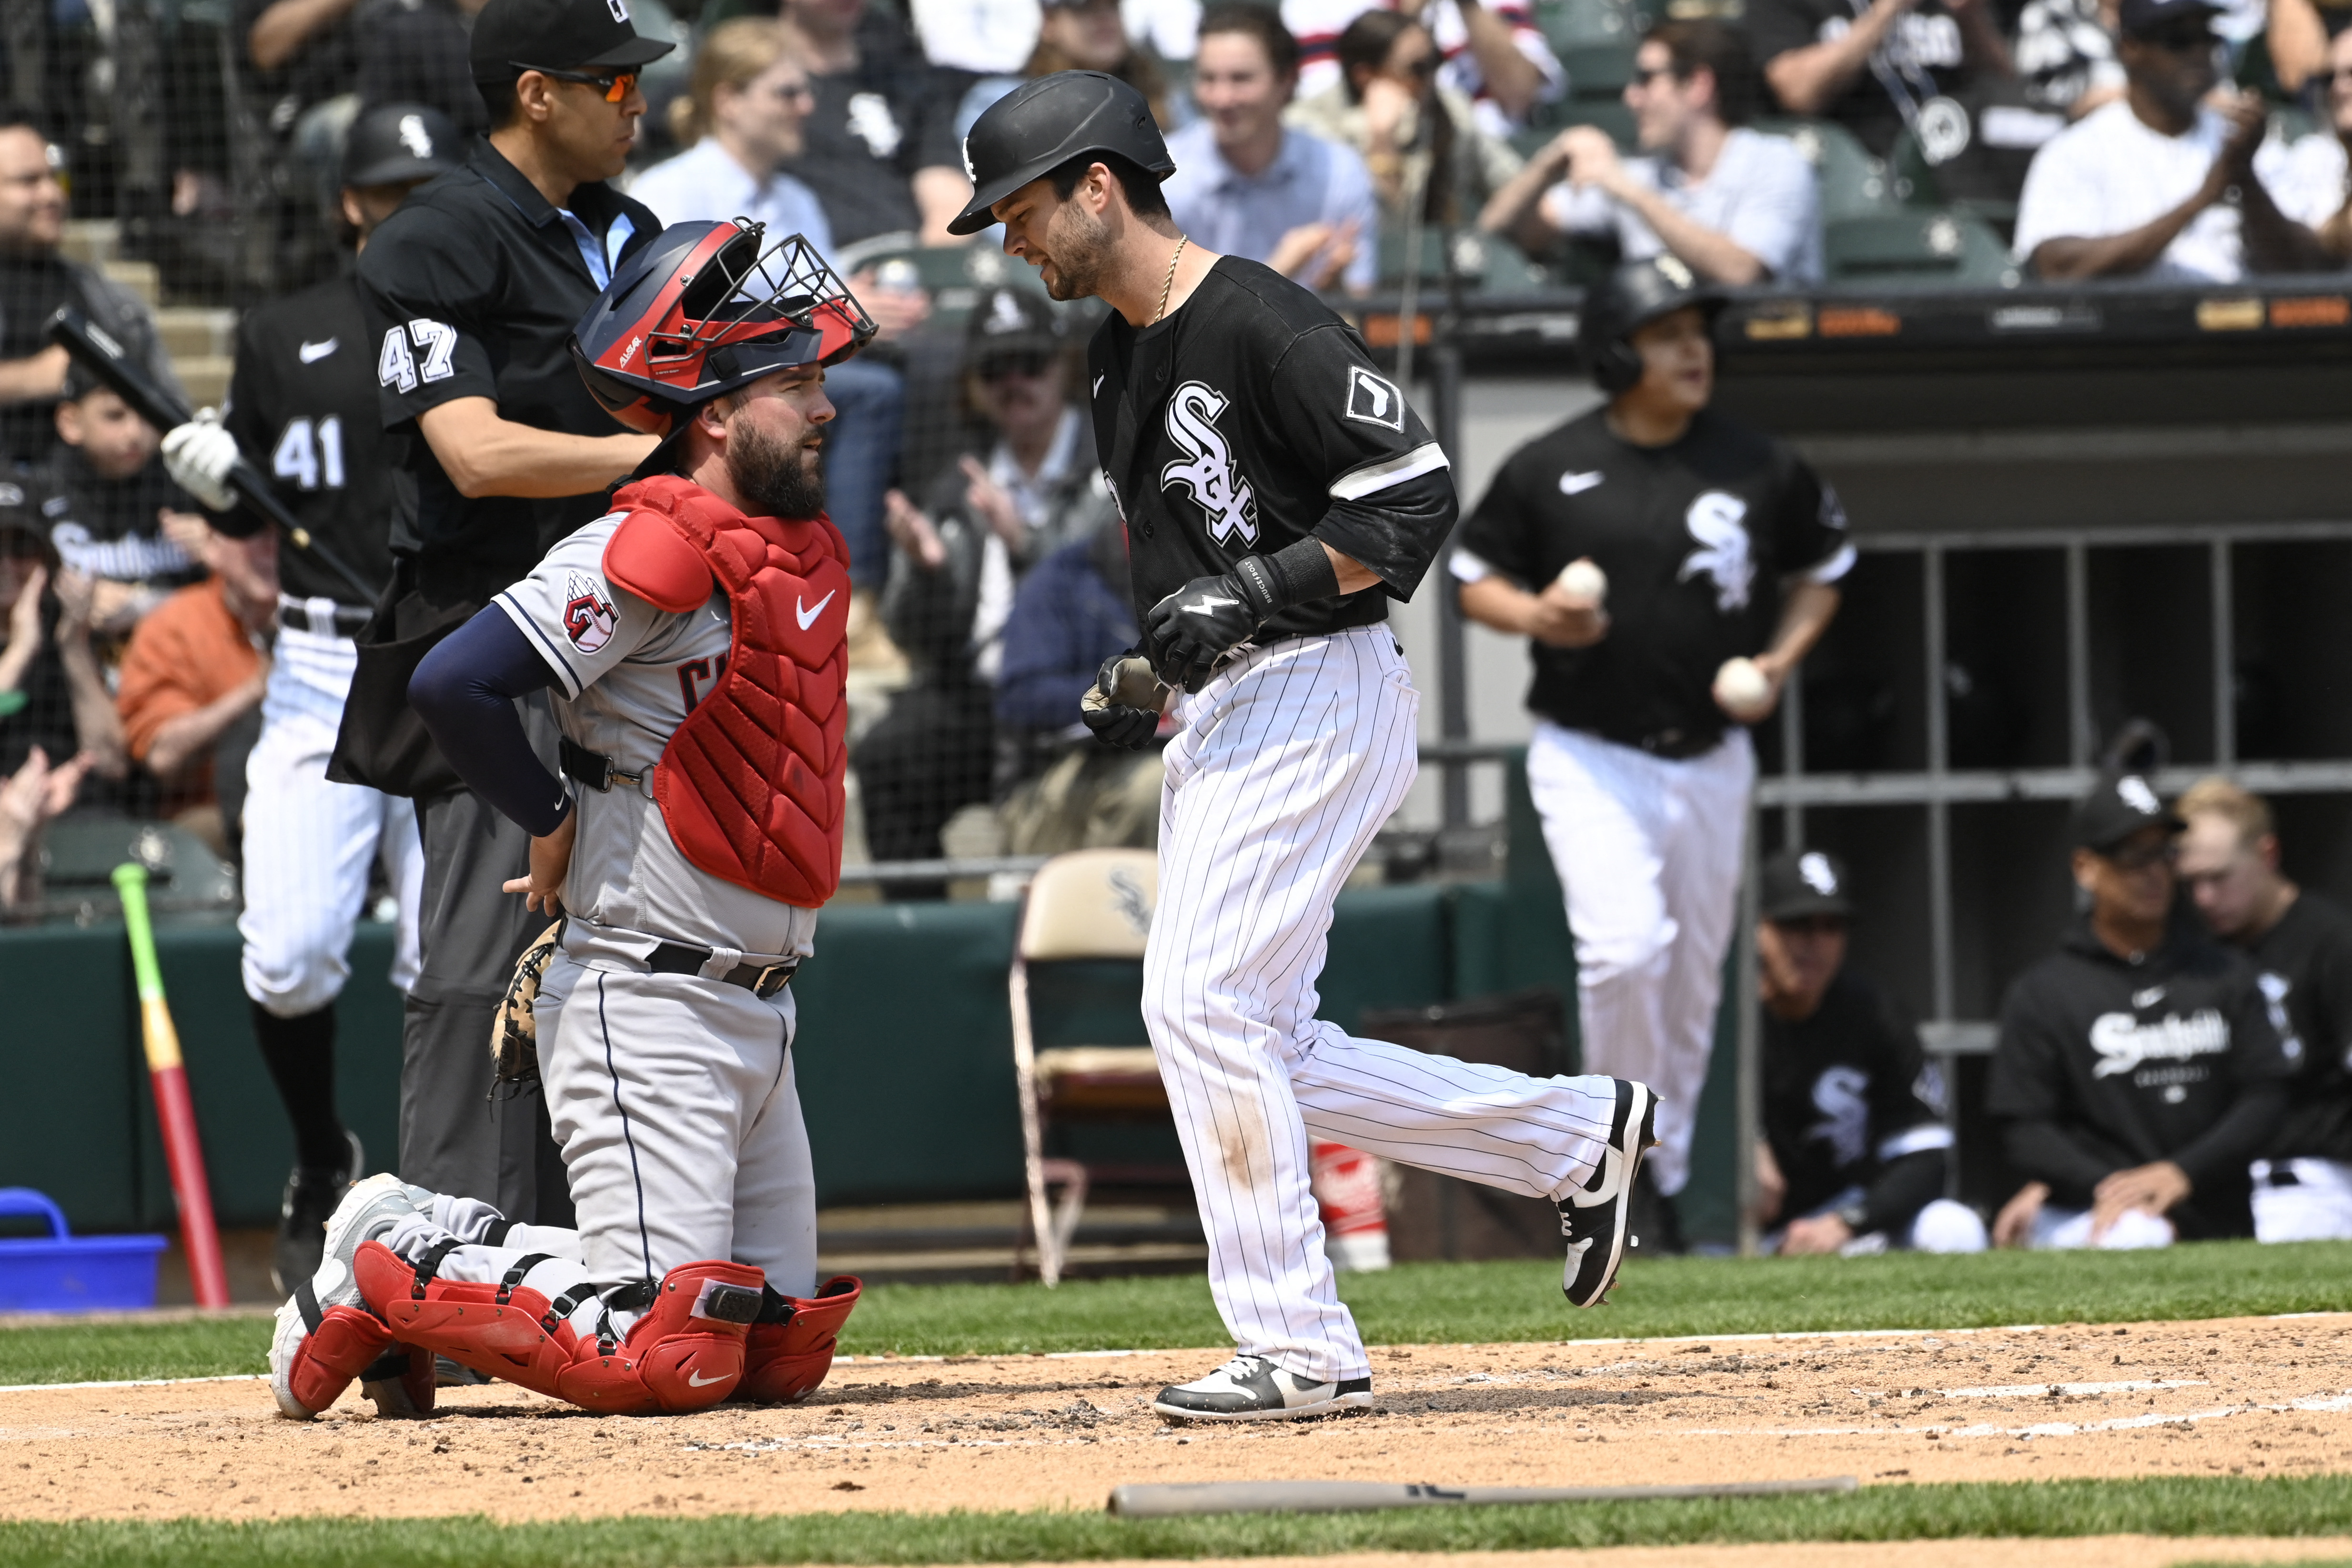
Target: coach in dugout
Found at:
x=471, y=292
x=1708, y=551
x=2139, y=1067
x=1855, y=1151
x=2300, y=943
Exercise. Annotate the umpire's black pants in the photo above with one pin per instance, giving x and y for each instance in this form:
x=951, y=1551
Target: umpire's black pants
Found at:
x=454, y=1138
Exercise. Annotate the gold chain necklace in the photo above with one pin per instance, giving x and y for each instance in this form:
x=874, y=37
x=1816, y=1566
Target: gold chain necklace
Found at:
x=1170, y=282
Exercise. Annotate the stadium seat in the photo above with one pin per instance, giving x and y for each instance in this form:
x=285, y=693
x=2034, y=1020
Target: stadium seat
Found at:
x=1853, y=182
x=1481, y=260
x=1944, y=249
x=954, y=275
x=1087, y=910
x=1572, y=24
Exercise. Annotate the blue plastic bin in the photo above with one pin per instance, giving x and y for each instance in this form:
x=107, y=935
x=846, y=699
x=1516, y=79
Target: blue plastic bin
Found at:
x=66, y=1273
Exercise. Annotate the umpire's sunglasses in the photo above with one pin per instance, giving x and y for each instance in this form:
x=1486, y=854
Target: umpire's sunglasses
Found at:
x=617, y=85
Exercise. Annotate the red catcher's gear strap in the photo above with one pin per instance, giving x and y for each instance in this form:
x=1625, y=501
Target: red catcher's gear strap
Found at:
x=751, y=783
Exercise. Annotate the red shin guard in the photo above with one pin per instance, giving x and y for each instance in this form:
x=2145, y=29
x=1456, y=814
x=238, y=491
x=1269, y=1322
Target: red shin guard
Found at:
x=685, y=1354
x=341, y=1343
x=785, y=1362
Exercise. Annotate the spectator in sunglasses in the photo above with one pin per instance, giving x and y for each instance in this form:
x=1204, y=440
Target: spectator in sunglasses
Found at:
x=742, y=117
x=1390, y=105
x=1736, y=205
x=986, y=521
x=2141, y=1065
x=2159, y=183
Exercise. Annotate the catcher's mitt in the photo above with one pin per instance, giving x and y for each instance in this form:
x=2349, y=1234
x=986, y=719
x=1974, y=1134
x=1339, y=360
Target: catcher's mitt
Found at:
x=514, y=1036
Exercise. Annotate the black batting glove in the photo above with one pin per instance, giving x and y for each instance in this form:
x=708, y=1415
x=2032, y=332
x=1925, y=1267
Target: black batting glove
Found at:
x=1192, y=629
x=1107, y=710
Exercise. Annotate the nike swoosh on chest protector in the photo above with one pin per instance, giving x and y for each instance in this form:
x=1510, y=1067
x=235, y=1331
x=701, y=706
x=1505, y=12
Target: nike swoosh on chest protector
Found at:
x=806, y=614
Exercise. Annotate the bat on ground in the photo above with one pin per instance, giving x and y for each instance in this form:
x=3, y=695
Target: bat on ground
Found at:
x=1167, y=1501
x=97, y=352
x=176, y=1113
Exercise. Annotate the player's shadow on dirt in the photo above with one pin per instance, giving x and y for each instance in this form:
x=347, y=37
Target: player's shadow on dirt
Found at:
x=934, y=1388
x=1503, y=1400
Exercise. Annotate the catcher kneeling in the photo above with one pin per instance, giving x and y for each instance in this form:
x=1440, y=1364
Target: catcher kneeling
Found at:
x=695, y=639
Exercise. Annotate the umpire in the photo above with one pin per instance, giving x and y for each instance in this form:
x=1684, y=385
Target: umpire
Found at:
x=303, y=392
x=1715, y=542
x=472, y=291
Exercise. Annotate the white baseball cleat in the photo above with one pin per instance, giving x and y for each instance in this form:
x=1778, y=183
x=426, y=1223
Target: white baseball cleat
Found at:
x=326, y=1335
x=1592, y=1216
x=1252, y=1388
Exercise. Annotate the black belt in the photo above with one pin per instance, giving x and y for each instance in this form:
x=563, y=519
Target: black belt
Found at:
x=595, y=769
x=2281, y=1174
x=349, y=622
x=684, y=958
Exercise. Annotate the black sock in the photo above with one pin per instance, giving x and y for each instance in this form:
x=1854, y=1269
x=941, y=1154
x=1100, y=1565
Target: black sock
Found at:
x=300, y=1052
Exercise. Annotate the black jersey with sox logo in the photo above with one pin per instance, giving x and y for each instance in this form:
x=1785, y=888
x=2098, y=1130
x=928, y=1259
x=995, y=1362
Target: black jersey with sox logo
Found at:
x=2104, y=1063
x=1848, y=1095
x=1696, y=539
x=302, y=405
x=1250, y=418
x=2304, y=963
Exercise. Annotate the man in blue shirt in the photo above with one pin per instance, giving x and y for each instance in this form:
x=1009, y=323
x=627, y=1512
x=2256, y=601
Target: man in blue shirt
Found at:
x=1247, y=186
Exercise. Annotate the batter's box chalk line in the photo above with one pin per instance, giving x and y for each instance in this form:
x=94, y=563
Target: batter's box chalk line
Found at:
x=2317, y=1403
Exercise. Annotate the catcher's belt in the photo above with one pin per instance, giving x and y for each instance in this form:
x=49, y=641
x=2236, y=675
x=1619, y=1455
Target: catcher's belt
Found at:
x=514, y=1033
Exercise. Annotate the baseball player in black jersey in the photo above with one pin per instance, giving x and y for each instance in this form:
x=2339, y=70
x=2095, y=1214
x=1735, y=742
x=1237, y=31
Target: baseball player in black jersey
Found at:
x=2140, y=1067
x=1670, y=568
x=471, y=292
x=1855, y=1149
x=2300, y=943
x=302, y=402
x=1276, y=493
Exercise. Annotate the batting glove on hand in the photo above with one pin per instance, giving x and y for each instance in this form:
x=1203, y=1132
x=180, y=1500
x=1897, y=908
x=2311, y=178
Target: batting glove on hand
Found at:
x=1122, y=707
x=198, y=456
x=1193, y=628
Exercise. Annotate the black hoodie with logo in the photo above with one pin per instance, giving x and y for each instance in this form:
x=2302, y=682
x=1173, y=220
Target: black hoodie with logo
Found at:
x=2106, y=1063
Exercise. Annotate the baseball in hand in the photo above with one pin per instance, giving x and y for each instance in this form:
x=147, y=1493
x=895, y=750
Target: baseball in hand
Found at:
x=1585, y=585
x=1743, y=690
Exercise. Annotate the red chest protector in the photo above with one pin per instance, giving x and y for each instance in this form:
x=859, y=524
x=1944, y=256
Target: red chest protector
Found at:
x=751, y=783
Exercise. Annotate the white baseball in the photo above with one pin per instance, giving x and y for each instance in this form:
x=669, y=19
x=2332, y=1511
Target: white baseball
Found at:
x=1742, y=689
x=1585, y=585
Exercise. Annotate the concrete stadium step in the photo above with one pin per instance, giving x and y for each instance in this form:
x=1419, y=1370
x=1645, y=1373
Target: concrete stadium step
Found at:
x=144, y=278
x=92, y=240
x=205, y=376
x=192, y=332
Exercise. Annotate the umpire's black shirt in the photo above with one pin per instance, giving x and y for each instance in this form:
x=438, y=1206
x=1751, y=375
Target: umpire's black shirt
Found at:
x=471, y=290
x=303, y=393
x=2306, y=962
x=2105, y=1063
x=1697, y=538
x=1250, y=418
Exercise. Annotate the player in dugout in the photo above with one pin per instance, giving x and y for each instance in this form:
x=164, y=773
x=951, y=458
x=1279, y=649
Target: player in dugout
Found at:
x=1855, y=1153
x=1670, y=569
x=2300, y=943
x=303, y=401
x=2139, y=1068
x=696, y=640
x=471, y=292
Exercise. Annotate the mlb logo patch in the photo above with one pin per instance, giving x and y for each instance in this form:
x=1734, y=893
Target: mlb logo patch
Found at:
x=1374, y=401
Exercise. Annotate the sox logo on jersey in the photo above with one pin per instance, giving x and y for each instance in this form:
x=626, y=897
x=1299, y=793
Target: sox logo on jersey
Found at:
x=1718, y=521
x=1208, y=472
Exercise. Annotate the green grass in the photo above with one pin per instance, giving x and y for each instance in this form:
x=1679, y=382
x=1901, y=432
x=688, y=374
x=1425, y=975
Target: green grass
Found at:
x=2172, y=1506
x=1441, y=1302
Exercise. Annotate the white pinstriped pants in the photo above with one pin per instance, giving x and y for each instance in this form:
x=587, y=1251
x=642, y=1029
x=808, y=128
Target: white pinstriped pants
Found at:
x=1648, y=850
x=309, y=841
x=1288, y=762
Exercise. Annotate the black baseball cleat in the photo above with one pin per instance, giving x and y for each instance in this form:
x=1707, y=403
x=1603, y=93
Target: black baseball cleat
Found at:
x=1593, y=1217
x=1252, y=1388
x=311, y=1195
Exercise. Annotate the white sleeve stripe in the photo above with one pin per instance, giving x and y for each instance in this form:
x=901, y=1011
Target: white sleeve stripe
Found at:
x=1916, y=1140
x=1468, y=568
x=1831, y=570
x=565, y=676
x=1374, y=478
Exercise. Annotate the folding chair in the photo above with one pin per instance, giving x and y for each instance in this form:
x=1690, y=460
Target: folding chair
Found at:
x=1090, y=905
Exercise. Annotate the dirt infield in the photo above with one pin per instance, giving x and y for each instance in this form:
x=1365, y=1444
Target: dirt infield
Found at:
x=2234, y=1397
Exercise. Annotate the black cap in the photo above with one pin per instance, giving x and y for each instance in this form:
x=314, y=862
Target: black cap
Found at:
x=2145, y=18
x=1637, y=293
x=562, y=35
x=1011, y=320
x=2119, y=805
x=1797, y=884
x=395, y=143
x=1042, y=125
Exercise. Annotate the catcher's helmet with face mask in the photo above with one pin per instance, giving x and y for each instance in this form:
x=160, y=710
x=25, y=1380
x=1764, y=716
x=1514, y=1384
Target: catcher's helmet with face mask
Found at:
x=707, y=308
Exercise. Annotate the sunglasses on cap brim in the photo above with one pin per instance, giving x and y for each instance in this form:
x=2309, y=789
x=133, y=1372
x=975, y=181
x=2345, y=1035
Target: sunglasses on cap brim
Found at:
x=616, y=84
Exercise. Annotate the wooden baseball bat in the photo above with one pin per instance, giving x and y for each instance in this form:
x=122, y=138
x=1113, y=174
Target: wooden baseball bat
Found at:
x=1168, y=1501
x=176, y=1113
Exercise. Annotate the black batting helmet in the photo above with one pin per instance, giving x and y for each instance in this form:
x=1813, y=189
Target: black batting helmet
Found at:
x=1636, y=294
x=707, y=308
x=1042, y=125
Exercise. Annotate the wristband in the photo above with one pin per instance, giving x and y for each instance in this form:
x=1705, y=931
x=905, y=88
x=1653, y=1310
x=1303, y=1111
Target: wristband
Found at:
x=1294, y=574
